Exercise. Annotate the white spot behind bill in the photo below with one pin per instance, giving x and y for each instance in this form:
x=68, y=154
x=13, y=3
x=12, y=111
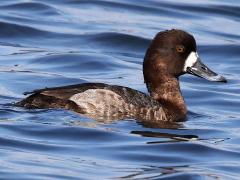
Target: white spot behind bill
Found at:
x=190, y=61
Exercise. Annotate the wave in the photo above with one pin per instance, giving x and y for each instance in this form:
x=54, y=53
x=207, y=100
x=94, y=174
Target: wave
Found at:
x=31, y=7
x=11, y=30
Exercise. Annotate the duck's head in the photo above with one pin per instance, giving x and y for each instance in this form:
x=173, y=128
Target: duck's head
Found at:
x=173, y=53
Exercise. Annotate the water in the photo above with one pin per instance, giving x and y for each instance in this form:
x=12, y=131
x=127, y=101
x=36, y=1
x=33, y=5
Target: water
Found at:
x=46, y=43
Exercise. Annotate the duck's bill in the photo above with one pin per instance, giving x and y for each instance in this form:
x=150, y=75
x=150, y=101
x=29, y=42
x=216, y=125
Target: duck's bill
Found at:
x=201, y=70
x=194, y=66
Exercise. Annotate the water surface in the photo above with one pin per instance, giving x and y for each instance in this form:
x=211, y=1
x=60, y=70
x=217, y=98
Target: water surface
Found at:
x=46, y=43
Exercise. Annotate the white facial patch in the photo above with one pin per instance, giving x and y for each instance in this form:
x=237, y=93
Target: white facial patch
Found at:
x=190, y=61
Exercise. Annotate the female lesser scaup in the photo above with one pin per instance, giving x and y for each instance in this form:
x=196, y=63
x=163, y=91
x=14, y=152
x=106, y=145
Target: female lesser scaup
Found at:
x=171, y=54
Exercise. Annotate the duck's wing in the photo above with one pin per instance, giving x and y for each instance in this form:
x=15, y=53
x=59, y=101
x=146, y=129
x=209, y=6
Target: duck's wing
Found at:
x=58, y=96
x=65, y=92
x=96, y=99
x=128, y=94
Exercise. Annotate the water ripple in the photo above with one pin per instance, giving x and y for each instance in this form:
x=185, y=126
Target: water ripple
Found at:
x=53, y=43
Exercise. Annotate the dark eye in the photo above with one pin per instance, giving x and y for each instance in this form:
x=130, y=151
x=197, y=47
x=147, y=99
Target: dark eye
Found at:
x=180, y=48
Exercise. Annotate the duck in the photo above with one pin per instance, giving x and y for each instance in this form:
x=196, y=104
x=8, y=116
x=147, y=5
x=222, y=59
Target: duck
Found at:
x=171, y=53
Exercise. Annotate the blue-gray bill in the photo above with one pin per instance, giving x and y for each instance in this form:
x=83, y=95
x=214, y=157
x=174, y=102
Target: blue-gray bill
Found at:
x=201, y=70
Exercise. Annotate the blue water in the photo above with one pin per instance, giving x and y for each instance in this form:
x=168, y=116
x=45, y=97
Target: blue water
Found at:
x=47, y=43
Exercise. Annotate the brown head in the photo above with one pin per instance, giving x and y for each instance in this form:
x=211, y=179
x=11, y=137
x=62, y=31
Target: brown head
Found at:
x=171, y=54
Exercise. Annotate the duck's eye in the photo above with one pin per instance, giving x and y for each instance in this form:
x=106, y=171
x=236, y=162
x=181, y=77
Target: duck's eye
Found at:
x=180, y=48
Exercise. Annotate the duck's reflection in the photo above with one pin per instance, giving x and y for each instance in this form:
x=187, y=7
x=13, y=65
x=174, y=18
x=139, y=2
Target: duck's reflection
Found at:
x=147, y=124
x=146, y=121
x=173, y=137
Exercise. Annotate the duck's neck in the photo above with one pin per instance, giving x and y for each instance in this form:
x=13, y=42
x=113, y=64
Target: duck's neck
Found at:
x=167, y=92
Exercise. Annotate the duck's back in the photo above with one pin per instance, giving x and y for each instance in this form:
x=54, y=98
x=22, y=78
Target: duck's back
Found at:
x=96, y=99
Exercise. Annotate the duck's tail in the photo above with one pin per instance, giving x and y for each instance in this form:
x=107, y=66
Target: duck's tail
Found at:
x=41, y=101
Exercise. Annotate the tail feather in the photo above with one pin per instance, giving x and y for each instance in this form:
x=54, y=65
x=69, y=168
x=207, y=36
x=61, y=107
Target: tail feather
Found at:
x=40, y=101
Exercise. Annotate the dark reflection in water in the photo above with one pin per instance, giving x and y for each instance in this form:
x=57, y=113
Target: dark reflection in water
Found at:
x=175, y=137
x=54, y=43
